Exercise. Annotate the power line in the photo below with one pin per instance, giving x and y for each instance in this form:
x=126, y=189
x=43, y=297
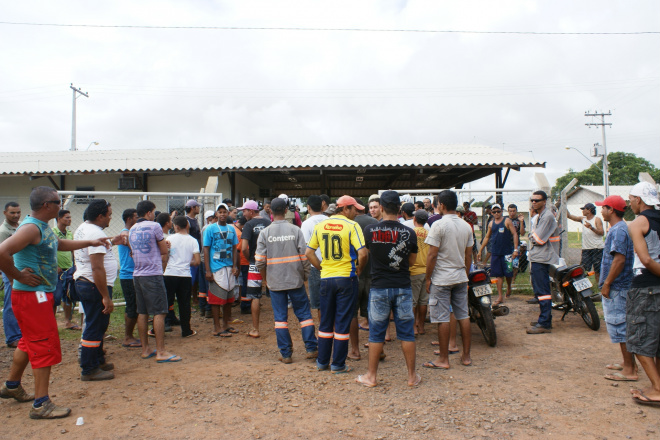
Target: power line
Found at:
x=245, y=28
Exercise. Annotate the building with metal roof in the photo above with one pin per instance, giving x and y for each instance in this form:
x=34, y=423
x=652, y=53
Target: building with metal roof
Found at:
x=263, y=171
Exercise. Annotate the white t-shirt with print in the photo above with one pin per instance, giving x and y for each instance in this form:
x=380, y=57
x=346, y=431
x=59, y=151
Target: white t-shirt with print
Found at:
x=182, y=249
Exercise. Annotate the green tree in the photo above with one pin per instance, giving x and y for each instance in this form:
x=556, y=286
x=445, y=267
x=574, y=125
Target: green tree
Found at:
x=624, y=169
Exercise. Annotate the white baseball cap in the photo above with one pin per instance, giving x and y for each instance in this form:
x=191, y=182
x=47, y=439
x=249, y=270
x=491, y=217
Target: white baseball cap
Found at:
x=209, y=213
x=647, y=192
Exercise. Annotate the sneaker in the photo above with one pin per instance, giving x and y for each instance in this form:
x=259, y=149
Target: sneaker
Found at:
x=97, y=374
x=17, y=393
x=535, y=323
x=108, y=366
x=286, y=360
x=48, y=410
x=312, y=354
x=537, y=330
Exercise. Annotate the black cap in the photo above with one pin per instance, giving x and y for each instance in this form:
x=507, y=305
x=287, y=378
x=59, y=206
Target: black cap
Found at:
x=390, y=198
x=278, y=204
x=408, y=208
x=589, y=206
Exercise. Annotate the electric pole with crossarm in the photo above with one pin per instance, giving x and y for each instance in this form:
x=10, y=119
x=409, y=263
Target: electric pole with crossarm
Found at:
x=602, y=124
x=73, y=123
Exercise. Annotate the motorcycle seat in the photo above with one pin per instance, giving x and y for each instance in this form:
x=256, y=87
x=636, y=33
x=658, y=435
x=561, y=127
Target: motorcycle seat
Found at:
x=561, y=273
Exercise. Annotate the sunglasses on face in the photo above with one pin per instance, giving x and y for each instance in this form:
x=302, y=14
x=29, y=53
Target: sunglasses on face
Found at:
x=535, y=200
x=59, y=202
x=497, y=211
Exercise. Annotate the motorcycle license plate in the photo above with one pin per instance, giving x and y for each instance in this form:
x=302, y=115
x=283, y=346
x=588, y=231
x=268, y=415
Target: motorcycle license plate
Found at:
x=481, y=290
x=582, y=284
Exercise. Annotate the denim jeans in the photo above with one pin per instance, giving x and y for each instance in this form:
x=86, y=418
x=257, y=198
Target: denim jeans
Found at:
x=338, y=296
x=12, y=330
x=541, y=286
x=398, y=301
x=96, y=324
x=279, y=300
x=314, y=283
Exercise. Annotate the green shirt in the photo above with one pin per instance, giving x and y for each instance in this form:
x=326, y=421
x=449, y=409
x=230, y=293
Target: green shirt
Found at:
x=64, y=260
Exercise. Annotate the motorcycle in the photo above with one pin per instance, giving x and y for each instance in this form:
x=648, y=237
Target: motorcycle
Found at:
x=571, y=292
x=480, y=305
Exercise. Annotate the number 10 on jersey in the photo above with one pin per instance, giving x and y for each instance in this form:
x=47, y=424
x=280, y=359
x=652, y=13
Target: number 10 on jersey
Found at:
x=332, y=248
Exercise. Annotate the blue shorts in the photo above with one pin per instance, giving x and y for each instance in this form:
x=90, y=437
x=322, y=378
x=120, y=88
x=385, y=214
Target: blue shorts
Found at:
x=499, y=266
x=395, y=300
x=614, y=309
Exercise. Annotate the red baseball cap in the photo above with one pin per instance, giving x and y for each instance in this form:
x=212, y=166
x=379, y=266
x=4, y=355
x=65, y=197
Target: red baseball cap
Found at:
x=614, y=202
x=348, y=201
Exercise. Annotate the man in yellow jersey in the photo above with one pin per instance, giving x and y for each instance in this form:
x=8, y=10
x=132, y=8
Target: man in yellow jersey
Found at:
x=341, y=243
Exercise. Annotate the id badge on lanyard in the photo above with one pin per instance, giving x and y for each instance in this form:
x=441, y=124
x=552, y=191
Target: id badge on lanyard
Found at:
x=41, y=296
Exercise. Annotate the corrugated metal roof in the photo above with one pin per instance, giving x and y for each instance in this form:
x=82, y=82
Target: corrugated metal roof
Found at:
x=259, y=158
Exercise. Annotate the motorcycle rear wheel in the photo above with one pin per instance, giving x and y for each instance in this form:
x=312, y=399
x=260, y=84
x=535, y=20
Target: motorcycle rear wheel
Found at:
x=486, y=324
x=589, y=314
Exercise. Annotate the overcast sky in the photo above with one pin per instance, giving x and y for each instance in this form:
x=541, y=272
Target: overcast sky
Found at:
x=169, y=88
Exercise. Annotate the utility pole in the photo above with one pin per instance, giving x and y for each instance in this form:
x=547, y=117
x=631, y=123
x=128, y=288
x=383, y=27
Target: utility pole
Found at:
x=602, y=124
x=73, y=123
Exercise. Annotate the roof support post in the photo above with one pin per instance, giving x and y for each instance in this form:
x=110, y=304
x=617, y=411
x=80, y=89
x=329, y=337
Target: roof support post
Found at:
x=499, y=185
x=55, y=185
x=232, y=185
x=145, y=183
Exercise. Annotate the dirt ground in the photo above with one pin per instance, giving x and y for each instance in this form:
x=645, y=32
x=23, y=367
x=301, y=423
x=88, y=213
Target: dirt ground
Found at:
x=537, y=386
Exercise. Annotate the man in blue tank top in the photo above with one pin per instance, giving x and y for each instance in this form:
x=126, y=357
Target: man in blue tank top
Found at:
x=33, y=268
x=503, y=236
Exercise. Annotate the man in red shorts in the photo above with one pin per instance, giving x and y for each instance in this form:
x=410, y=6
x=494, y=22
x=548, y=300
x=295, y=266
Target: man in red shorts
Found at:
x=33, y=268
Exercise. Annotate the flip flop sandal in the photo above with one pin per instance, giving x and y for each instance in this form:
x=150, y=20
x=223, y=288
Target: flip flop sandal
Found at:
x=614, y=367
x=194, y=333
x=237, y=321
x=437, y=352
x=135, y=344
x=250, y=334
x=223, y=334
x=232, y=330
x=643, y=400
x=619, y=377
x=433, y=366
x=74, y=327
x=418, y=380
x=344, y=371
x=172, y=358
x=149, y=356
x=364, y=384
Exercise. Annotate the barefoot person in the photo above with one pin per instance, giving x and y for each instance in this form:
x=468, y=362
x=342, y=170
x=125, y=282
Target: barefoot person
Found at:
x=616, y=276
x=447, y=269
x=504, y=248
x=342, y=245
x=280, y=257
x=643, y=302
x=221, y=268
x=150, y=256
x=34, y=271
x=393, y=250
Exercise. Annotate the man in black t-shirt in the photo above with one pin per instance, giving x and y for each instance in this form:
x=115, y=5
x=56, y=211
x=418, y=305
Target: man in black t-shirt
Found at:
x=251, y=230
x=393, y=249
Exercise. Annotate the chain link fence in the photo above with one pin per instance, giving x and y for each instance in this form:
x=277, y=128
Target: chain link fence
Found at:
x=77, y=201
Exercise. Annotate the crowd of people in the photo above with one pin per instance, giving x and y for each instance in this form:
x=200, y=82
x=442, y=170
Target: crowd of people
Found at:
x=352, y=264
